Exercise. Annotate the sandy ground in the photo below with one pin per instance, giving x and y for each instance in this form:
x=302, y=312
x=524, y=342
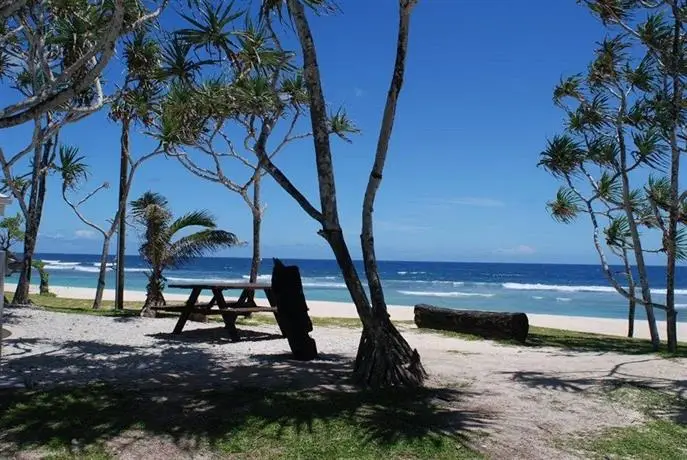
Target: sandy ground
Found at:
x=530, y=402
x=346, y=310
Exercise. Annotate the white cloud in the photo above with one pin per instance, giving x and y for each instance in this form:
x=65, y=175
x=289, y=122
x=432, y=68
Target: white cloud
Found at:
x=85, y=234
x=359, y=92
x=401, y=227
x=476, y=201
x=520, y=250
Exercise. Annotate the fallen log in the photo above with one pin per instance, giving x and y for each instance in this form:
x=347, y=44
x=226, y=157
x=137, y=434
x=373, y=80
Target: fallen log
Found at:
x=487, y=324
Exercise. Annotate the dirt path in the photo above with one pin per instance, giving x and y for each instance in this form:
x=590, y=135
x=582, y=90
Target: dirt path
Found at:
x=527, y=400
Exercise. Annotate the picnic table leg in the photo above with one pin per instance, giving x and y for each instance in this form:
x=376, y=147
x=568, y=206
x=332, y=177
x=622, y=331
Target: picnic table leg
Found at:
x=228, y=317
x=273, y=303
x=186, y=312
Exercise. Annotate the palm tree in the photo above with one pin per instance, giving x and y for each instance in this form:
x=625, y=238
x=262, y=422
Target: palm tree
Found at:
x=136, y=105
x=161, y=248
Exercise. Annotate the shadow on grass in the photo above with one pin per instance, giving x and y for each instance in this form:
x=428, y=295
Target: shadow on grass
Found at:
x=264, y=401
x=580, y=341
x=658, y=397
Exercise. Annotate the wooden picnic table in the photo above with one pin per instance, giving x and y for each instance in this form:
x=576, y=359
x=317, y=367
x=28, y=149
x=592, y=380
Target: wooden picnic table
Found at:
x=230, y=310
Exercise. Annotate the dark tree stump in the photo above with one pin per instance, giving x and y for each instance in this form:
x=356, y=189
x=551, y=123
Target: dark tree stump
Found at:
x=292, y=310
x=487, y=324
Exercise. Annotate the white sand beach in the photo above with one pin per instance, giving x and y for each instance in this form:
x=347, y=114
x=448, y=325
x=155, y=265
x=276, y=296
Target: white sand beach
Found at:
x=320, y=308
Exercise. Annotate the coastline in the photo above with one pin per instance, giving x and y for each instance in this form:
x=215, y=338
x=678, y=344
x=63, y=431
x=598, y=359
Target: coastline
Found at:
x=319, y=308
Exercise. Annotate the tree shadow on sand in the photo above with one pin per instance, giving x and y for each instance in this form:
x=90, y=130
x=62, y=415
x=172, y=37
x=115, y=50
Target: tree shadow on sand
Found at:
x=215, y=335
x=188, y=394
x=659, y=397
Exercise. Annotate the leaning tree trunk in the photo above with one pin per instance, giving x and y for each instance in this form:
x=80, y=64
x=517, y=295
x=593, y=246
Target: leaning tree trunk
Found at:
x=154, y=296
x=384, y=358
x=102, y=272
x=636, y=242
x=41, y=162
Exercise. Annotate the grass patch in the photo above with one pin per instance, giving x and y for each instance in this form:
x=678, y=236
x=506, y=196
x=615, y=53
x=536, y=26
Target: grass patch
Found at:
x=584, y=341
x=247, y=422
x=576, y=341
x=83, y=306
x=657, y=439
x=663, y=436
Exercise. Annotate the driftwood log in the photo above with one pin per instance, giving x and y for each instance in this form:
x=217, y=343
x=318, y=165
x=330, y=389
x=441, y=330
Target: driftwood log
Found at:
x=292, y=311
x=487, y=324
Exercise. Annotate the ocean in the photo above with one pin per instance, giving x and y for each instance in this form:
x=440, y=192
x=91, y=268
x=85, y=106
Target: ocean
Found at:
x=579, y=290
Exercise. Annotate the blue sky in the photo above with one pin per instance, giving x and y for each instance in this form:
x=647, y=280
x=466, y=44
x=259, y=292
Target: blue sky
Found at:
x=461, y=181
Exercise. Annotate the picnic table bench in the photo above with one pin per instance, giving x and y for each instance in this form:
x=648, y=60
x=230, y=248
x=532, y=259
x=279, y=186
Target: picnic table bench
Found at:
x=285, y=297
x=219, y=305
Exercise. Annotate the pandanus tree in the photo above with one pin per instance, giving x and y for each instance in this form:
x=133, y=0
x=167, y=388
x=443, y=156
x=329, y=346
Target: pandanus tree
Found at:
x=255, y=70
x=384, y=357
x=53, y=55
x=260, y=94
x=625, y=125
x=170, y=243
x=136, y=105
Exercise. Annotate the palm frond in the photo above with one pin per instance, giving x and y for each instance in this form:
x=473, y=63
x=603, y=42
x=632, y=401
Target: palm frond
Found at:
x=618, y=233
x=193, y=219
x=198, y=244
x=609, y=188
x=681, y=244
x=658, y=191
x=341, y=125
x=562, y=156
x=72, y=167
x=565, y=207
x=650, y=149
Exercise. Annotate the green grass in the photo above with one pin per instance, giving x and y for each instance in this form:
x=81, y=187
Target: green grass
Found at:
x=83, y=306
x=538, y=336
x=246, y=422
x=663, y=436
x=577, y=341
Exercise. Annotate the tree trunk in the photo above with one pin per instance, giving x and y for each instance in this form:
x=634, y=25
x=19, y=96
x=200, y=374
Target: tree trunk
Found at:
x=154, y=296
x=636, y=241
x=123, y=194
x=631, y=288
x=41, y=161
x=102, y=272
x=384, y=358
x=44, y=276
x=256, y=212
x=675, y=208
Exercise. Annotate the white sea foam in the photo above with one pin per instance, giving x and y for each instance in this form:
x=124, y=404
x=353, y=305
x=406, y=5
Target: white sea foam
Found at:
x=445, y=294
x=410, y=273
x=568, y=288
x=537, y=297
x=260, y=277
x=563, y=299
x=108, y=264
x=80, y=268
x=309, y=283
x=57, y=263
x=174, y=279
x=315, y=284
x=136, y=270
